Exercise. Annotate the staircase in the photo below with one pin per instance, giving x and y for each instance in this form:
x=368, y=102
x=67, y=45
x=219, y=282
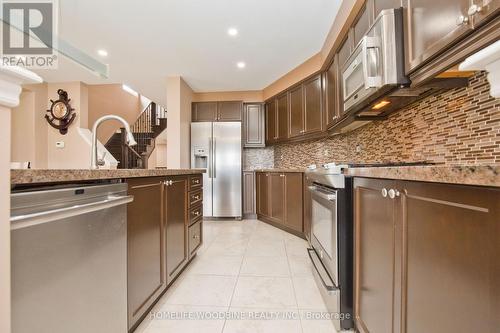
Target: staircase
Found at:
x=150, y=123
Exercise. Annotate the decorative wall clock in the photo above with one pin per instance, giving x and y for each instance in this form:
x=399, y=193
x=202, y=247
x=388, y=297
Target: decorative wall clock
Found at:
x=61, y=113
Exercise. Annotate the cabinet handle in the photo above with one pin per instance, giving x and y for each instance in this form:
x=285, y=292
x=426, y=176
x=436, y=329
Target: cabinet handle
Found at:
x=282, y=175
x=196, y=236
x=393, y=193
x=474, y=9
x=384, y=192
x=196, y=197
x=462, y=20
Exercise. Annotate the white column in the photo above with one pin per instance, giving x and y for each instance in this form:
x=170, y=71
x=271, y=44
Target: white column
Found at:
x=11, y=79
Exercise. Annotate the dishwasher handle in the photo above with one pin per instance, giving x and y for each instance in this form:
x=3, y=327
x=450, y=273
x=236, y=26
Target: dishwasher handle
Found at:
x=23, y=221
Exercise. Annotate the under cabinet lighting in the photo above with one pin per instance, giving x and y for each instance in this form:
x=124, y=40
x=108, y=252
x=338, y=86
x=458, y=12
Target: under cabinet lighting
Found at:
x=380, y=105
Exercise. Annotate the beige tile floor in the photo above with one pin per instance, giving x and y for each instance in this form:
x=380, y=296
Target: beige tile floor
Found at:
x=247, y=277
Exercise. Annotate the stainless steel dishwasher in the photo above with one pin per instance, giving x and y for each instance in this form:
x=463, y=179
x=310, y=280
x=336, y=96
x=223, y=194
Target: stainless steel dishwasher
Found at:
x=69, y=259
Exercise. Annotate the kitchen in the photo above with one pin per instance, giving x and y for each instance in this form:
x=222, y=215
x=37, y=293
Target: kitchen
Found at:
x=346, y=179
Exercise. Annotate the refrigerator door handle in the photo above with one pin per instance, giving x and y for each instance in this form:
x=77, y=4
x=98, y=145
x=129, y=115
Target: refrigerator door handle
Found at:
x=210, y=157
x=214, y=141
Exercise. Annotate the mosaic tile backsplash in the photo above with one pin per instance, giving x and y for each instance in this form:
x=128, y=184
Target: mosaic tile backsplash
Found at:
x=457, y=127
x=258, y=158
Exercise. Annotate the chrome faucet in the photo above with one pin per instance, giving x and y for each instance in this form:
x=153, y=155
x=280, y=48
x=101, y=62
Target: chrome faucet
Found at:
x=94, y=161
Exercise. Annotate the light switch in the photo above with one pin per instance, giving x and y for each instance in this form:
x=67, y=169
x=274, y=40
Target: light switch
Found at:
x=60, y=144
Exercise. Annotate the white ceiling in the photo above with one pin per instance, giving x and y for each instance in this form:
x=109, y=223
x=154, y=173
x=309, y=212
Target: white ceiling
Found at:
x=150, y=40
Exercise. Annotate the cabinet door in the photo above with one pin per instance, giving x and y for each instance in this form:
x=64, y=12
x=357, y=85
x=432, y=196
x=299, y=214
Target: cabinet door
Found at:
x=375, y=223
x=277, y=194
x=341, y=58
x=313, y=105
x=204, y=111
x=293, y=201
x=271, y=122
x=485, y=10
x=307, y=208
x=176, y=225
x=145, y=246
x=282, y=116
x=296, y=126
x=330, y=88
x=424, y=40
x=262, y=181
x=452, y=258
x=360, y=27
x=376, y=6
x=253, y=125
x=229, y=111
x=248, y=193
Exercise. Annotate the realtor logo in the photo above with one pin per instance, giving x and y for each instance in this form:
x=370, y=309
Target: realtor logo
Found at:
x=29, y=33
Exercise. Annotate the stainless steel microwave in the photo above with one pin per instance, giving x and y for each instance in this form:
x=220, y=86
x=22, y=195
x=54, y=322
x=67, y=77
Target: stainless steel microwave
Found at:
x=377, y=64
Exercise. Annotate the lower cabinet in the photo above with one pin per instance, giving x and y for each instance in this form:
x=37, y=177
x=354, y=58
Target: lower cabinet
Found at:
x=249, y=194
x=176, y=202
x=280, y=199
x=165, y=230
x=426, y=257
x=145, y=246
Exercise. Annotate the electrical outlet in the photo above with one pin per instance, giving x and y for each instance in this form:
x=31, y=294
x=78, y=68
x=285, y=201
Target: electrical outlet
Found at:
x=60, y=144
x=325, y=152
x=358, y=149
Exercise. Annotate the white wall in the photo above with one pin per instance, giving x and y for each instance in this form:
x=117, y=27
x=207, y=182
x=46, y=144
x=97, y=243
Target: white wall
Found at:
x=179, y=98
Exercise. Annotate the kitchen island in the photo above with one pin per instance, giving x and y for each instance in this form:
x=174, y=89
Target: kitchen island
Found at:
x=164, y=223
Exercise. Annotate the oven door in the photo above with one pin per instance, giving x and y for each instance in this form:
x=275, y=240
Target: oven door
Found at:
x=324, y=233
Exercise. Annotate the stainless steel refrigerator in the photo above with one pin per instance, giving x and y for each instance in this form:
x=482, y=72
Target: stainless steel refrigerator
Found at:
x=216, y=147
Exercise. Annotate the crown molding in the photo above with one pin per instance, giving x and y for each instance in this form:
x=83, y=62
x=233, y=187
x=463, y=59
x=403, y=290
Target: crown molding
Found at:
x=11, y=79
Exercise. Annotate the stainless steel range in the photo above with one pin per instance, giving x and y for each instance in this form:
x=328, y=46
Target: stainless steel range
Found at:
x=331, y=249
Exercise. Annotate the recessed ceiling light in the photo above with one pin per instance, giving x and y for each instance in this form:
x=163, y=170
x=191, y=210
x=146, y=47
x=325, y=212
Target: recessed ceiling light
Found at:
x=232, y=32
x=102, y=53
x=241, y=65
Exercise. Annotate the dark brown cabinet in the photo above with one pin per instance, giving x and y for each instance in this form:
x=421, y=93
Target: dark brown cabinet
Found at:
x=249, y=194
x=176, y=202
x=361, y=25
x=341, y=58
x=424, y=40
x=280, y=199
x=271, y=121
x=145, y=246
x=313, y=102
x=425, y=254
x=375, y=253
x=254, y=134
x=296, y=116
x=282, y=117
x=204, y=111
x=331, y=95
x=262, y=190
x=216, y=111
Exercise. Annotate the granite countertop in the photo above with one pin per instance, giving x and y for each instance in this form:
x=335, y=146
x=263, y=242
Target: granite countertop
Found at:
x=40, y=176
x=487, y=175
x=280, y=170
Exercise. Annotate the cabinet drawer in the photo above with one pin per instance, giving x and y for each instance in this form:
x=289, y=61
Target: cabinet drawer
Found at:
x=195, y=214
x=195, y=197
x=195, y=182
x=195, y=237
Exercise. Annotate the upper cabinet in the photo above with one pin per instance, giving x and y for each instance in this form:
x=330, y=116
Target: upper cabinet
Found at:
x=216, y=111
x=313, y=110
x=425, y=39
x=360, y=27
x=331, y=94
x=254, y=134
x=271, y=122
x=282, y=117
x=296, y=114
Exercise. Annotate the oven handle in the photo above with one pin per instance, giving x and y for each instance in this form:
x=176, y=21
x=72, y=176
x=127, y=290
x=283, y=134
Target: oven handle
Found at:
x=329, y=197
x=329, y=288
